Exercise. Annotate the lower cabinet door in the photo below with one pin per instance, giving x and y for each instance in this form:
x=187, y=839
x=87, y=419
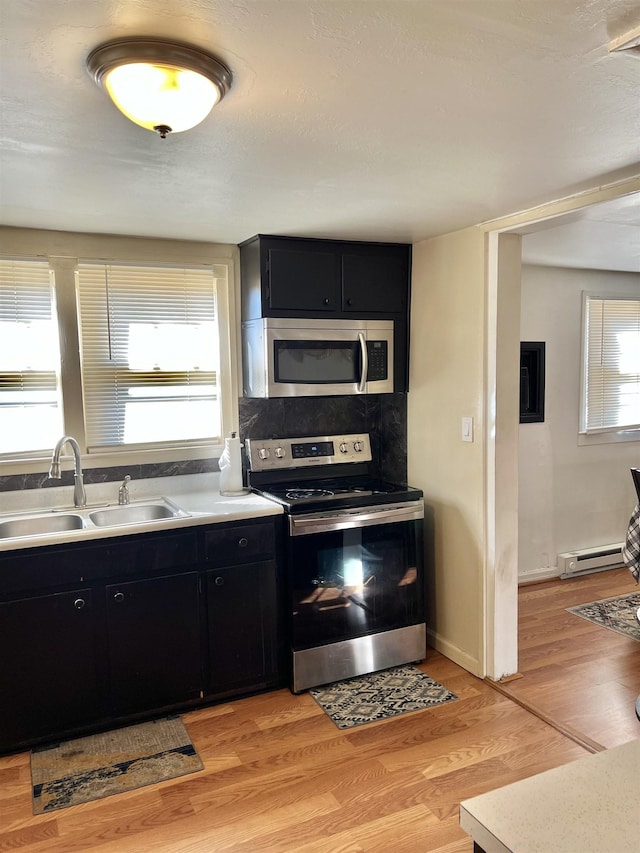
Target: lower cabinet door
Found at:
x=154, y=642
x=48, y=675
x=243, y=627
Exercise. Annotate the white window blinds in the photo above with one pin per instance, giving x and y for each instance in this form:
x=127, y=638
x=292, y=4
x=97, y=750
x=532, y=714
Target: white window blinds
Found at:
x=30, y=412
x=611, y=386
x=150, y=355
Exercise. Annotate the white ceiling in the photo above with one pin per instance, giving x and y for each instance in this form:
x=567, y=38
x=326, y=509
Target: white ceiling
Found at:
x=601, y=237
x=391, y=120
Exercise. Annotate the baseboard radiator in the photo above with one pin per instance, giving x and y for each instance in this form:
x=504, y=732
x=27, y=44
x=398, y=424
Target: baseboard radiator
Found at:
x=587, y=560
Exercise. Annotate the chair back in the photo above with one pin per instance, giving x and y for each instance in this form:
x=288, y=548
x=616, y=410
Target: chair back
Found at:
x=635, y=473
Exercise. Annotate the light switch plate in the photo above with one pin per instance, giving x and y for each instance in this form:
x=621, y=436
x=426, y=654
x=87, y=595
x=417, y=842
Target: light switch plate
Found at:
x=467, y=429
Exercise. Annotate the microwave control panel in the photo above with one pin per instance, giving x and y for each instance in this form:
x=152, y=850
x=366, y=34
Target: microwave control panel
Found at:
x=377, y=354
x=275, y=453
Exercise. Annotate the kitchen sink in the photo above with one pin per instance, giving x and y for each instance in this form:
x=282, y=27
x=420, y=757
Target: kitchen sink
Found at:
x=89, y=518
x=134, y=514
x=37, y=525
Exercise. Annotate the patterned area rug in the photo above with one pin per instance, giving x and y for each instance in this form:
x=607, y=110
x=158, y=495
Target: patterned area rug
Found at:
x=380, y=695
x=618, y=614
x=97, y=766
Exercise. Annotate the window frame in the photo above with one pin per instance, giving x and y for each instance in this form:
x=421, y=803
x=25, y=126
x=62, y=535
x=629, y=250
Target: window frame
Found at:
x=29, y=376
x=134, y=251
x=604, y=435
x=109, y=297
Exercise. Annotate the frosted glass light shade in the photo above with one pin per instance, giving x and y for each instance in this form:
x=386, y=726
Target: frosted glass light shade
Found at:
x=155, y=95
x=161, y=86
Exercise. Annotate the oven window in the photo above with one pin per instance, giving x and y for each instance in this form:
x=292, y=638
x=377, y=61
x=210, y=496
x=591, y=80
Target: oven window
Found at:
x=317, y=362
x=351, y=583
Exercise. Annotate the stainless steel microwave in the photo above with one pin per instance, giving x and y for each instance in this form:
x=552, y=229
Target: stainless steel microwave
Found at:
x=311, y=358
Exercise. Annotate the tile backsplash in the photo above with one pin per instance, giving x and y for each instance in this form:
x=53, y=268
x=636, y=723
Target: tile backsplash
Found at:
x=384, y=416
x=14, y=482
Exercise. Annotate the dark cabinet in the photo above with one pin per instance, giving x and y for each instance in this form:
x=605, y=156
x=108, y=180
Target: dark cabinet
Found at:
x=377, y=280
x=162, y=620
x=291, y=277
x=242, y=596
x=242, y=607
x=48, y=665
x=240, y=543
x=153, y=641
x=302, y=281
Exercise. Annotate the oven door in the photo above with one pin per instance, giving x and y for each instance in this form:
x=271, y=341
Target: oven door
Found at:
x=355, y=573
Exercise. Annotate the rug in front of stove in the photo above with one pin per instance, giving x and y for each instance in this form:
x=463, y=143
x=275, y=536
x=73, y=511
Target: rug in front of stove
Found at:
x=380, y=696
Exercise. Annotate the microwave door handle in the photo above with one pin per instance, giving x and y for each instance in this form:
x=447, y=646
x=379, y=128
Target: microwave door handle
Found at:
x=362, y=385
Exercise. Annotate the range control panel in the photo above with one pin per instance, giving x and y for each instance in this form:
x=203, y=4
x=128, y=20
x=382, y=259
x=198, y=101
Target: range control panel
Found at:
x=271, y=454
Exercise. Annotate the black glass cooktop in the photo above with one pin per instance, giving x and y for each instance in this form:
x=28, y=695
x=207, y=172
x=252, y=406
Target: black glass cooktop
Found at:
x=331, y=494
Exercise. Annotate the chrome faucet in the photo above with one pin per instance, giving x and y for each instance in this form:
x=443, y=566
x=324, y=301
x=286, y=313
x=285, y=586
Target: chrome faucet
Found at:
x=79, y=494
x=123, y=491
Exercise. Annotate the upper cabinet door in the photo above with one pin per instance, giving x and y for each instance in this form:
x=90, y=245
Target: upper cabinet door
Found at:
x=293, y=277
x=303, y=280
x=375, y=282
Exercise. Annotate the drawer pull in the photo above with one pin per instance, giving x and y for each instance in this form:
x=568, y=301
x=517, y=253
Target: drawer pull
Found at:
x=119, y=597
x=79, y=603
x=219, y=581
x=243, y=542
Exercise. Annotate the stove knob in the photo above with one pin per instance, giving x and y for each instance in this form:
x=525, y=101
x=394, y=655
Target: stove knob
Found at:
x=280, y=452
x=343, y=447
x=358, y=446
x=263, y=453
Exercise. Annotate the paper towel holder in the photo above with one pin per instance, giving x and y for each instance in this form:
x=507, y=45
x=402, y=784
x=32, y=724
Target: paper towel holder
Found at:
x=233, y=493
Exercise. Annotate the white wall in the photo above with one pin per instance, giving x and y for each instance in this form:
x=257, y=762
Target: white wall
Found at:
x=446, y=383
x=570, y=496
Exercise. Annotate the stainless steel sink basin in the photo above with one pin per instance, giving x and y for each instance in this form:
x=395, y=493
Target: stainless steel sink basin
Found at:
x=37, y=525
x=89, y=518
x=133, y=514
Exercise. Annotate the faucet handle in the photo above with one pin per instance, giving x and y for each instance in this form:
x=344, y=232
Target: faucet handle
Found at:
x=123, y=491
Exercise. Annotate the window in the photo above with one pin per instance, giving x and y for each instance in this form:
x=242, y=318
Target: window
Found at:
x=149, y=349
x=611, y=368
x=30, y=410
x=134, y=358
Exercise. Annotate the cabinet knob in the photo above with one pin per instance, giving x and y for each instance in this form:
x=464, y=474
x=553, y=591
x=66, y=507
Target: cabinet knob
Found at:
x=325, y=301
x=119, y=596
x=243, y=542
x=219, y=581
x=349, y=301
x=79, y=603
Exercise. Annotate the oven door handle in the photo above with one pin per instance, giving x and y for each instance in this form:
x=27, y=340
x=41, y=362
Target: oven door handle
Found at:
x=391, y=514
x=362, y=385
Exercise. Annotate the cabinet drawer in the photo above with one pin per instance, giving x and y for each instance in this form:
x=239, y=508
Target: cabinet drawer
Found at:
x=242, y=544
x=37, y=569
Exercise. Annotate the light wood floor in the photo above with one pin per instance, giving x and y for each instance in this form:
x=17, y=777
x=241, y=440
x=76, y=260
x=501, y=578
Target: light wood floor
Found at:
x=582, y=676
x=280, y=777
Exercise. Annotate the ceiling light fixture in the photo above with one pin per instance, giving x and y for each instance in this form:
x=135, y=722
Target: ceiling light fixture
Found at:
x=161, y=85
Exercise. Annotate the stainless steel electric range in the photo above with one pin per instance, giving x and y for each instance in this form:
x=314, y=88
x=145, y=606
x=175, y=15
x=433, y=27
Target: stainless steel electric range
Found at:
x=354, y=556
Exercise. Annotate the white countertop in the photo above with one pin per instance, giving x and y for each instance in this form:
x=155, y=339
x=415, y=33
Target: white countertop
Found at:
x=587, y=806
x=196, y=494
